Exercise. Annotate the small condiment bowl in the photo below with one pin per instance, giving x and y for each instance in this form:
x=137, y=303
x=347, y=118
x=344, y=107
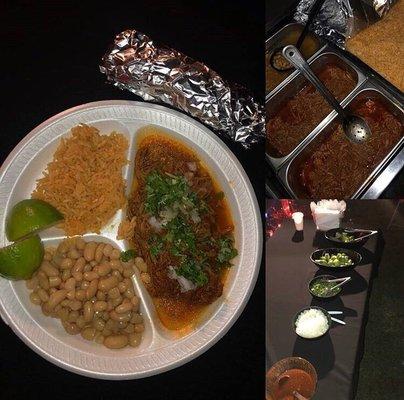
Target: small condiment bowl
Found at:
x=284, y=365
x=352, y=254
x=318, y=277
x=325, y=312
x=357, y=234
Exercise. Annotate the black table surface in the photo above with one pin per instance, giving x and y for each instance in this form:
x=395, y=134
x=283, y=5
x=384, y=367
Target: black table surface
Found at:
x=288, y=271
x=51, y=54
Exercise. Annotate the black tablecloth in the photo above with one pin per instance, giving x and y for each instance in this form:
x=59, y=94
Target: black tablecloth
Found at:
x=288, y=272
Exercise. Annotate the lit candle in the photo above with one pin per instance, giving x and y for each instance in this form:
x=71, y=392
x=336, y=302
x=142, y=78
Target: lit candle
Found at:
x=298, y=218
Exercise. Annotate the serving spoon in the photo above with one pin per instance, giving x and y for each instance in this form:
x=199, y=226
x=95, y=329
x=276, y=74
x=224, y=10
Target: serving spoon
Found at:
x=371, y=233
x=355, y=128
x=335, y=319
x=338, y=321
x=283, y=379
x=342, y=281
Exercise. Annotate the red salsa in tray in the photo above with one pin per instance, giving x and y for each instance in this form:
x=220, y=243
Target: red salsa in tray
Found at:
x=338, y=167
x=301, y=113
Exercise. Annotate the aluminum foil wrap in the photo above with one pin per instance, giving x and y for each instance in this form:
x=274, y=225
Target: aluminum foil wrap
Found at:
x=339, y=20
x=162, y=74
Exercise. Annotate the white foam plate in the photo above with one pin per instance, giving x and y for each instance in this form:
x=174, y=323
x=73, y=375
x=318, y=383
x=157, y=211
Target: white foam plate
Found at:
x=160, y=349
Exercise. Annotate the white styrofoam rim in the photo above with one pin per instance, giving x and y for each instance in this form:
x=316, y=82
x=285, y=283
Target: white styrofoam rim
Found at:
x=243, y=301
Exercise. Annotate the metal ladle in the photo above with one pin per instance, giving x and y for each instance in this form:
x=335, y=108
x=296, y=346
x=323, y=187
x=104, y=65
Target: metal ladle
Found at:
x=355, y=128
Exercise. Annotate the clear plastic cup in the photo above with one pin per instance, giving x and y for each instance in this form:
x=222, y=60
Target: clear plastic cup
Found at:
x=298, y=219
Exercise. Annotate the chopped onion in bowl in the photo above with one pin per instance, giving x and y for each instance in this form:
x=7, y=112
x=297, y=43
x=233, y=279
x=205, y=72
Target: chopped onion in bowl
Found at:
x=311, y=324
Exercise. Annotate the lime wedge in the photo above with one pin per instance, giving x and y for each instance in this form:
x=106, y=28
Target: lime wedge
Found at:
x=21, y=259
x=29, y=216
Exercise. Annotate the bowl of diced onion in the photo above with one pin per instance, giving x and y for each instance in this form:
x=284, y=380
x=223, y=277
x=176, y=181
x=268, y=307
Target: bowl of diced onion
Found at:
x=311, y=322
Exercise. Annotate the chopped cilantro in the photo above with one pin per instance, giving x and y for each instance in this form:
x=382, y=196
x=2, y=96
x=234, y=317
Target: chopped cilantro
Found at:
x=226, y=251
x=180, y=234
x=192, y=270
x=156, y=246
x=163, y=191
x=168, y=194
x=127, y=255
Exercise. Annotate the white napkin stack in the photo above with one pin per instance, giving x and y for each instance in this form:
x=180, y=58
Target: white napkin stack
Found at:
x=327, y=214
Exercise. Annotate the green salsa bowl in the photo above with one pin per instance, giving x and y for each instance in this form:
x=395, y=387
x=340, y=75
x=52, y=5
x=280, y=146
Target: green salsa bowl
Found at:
x=316, y=288
x=354, y=257
x=348, y=237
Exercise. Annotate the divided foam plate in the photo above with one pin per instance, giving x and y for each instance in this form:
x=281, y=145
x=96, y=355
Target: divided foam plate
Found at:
x=160, y=349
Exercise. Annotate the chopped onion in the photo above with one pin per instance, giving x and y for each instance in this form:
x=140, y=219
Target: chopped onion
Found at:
x=155, y=223
x=192, y=166
x=167, y=215
x=311, y=324
x=195, y=216
x=189, y=176
x=183, y=208
x=184, y=283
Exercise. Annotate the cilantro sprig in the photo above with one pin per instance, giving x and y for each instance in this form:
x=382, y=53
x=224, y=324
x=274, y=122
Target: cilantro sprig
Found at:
x=170, y=192
x=156, y=246
x=193, y=271
x=164, y=191
x=226, y=251
x=127, y=255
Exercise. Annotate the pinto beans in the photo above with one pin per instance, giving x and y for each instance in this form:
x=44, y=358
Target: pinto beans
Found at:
x=89, y=251
x=87, y=287
x=57, y=298
x=108, y=283
x=92, y=289
x=49, y=269
x=116, y=341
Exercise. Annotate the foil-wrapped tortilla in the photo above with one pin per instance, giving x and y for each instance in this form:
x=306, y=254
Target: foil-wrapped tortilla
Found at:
x=162, y=74
x=339, y=20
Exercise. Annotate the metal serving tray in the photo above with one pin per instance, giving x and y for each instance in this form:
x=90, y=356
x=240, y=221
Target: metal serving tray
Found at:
x=274, y=42
x=296, y=82
x=394, y=162
x=382, y=174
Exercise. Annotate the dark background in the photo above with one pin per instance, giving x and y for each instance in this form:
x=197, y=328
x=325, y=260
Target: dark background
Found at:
x=275, y=12
x=51, y=52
